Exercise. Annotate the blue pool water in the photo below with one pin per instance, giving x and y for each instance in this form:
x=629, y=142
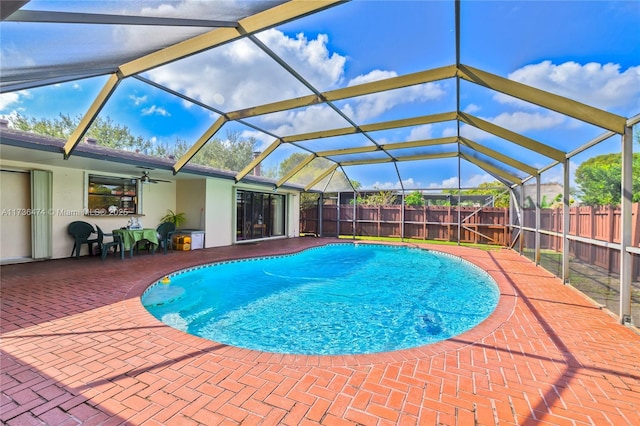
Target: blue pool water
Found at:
x=336, y=299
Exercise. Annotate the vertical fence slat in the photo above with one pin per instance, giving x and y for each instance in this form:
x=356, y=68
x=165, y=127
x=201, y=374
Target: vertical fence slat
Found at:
x=489, y=226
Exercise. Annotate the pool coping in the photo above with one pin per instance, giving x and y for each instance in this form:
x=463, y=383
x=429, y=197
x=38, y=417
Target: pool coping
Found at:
x=159, y=330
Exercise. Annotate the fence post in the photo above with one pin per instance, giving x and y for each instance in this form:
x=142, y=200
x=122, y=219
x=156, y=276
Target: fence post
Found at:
x=635, y=226
x=626, y=225
x=537, y=236
x=566, y=221
x=425, y=214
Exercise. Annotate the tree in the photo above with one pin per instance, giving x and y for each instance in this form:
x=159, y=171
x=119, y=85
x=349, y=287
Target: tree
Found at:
x=496, y=189
x=598, y=180
x=103, y=130
x=381, y=198
x=414, y=199
x=234, y=153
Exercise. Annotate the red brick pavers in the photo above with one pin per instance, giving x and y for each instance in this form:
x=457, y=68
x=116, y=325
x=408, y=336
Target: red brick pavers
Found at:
x=79, y=348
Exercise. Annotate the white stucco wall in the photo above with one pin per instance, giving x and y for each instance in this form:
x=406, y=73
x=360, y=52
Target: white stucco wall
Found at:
x=68, y=205
x=156, y=200
x=209, y=204
x=190, y=200
x=219, y=213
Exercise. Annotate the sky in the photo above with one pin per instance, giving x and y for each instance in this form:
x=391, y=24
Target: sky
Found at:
x=588, y=51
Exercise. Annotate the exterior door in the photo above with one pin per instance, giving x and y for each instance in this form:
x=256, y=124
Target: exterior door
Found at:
x=15, y=221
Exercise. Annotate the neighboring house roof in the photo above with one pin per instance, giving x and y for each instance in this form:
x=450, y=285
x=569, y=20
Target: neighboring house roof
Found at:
x=18, y=145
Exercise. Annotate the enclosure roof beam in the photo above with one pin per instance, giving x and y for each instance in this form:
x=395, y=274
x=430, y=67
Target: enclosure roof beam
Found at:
x=406, y=122
x=347, y=151
x=392, y=83
x=252, y=165
x=569, y=107
x=277, y=15
x=388, y=146
x=492, y=169
x=48, y=17
x=405, y=158
x=498, y=156
x=434, y=156
x=91, y=114
x=420, y=143
x=394, y=124
x=9, y=7
x=212, y=130
x=347, y=92
x=363, y=162
x=321, y=176
x=295, y=170
x=516, y=138
x=41, y=79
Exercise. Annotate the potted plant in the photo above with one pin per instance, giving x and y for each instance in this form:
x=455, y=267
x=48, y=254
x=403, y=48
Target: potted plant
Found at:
x=175, y=218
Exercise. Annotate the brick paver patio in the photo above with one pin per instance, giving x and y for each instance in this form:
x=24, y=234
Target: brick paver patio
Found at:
x=79, y=348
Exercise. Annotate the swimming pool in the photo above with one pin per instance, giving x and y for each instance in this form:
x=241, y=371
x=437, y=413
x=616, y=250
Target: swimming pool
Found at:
x=332, y=300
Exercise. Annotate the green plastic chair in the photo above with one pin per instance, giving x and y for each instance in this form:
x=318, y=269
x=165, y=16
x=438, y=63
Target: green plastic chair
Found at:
x=165, y=230
x=80, y=232
x=105, y=246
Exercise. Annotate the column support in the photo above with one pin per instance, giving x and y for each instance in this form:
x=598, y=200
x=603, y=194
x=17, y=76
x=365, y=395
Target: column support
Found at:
x=566, y=221
x=538, y=202
x=625, y=226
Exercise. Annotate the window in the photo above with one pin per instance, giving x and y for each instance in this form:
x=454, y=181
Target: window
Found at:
x=259, y=215
x=107, y=195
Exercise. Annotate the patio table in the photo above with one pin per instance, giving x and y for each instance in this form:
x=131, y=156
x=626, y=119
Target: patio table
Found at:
x=130, y=238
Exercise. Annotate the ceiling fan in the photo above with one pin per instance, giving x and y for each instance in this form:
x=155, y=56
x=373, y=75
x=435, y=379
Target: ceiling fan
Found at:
x=145, y=178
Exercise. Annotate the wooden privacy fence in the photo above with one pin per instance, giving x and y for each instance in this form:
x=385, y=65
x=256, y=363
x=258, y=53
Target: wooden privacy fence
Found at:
x=595, y=222
x=488, y=225
x=484, y=226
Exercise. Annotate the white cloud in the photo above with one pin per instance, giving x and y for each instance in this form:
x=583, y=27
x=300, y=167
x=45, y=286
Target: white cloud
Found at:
x=449, y=131
x=524, y=121
x=476, y=180
x=602, y=86
x=471, y=108
x=517, y=122
x=421, y=132
x=138, y=100
x=263, y=139
x=471, y=182
x=387, y=186
x=313, y=118
x=9, y=100
x=451, y=182
x=155, y=110
x=383, y=186
x=364, y=108
x=233, y=76
x=311, y=58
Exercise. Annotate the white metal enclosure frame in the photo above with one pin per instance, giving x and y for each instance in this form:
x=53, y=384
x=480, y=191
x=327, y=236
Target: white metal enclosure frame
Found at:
x=193, y=36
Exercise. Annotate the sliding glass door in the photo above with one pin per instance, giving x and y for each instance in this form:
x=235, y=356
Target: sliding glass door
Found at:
x=259, y=215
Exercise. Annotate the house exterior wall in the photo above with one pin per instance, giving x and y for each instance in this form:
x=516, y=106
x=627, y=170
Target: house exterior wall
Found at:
x=209, y=204
x=68, y=206
x=219, y=213
x=156, y=199
x=15, y=195
x=190, y=200
x=293, y=208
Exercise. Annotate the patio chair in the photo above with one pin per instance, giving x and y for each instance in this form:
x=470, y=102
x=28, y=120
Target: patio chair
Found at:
x=165, y=230
x=105, y=246
x=80, y=232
